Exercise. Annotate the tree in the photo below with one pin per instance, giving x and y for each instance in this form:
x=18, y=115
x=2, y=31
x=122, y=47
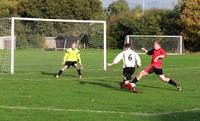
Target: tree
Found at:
x=152, y=21
x=131, y=22
x=190, y=20
x=170, y=22
x=118, y=7
x=62, y=9
x=7, y=7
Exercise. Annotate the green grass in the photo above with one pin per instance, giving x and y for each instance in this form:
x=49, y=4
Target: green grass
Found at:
x=33, y=86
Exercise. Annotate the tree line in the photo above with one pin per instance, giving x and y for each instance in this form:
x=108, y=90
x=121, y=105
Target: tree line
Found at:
x=183, y=20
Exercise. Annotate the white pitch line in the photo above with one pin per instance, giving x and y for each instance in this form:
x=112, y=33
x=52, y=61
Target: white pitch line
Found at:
x=97, y=111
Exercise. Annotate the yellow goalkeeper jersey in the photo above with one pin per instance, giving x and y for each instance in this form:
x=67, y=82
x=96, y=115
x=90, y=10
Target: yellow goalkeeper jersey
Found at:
x=72, y=55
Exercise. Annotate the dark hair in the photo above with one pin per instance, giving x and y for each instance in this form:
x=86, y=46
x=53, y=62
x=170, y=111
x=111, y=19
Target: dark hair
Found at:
x=127, y=45
x=158, y=42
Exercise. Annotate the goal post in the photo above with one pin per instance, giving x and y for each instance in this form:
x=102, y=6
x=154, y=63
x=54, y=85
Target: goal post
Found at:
x=172, y=44
x=92, y=31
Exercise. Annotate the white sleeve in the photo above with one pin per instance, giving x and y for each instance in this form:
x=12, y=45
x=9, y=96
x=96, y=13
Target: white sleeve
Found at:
x=138, y=60
x=118, y=58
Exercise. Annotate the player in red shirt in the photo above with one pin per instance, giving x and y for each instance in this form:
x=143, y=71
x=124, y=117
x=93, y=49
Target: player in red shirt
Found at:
x=158, y=54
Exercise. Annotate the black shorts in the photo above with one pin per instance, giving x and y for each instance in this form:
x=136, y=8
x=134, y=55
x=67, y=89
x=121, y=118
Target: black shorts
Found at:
x=71, y=63
x=157, y=71
x=128, y=72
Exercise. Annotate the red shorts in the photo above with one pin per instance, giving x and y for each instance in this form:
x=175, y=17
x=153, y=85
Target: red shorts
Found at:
x=150, y=69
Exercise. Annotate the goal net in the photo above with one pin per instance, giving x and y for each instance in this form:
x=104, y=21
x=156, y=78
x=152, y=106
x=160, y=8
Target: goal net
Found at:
x=40, y=44
x=5, y=47
x=172, y=44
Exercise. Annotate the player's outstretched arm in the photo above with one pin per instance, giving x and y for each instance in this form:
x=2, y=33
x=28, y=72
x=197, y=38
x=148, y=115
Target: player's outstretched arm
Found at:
x=80, y=65
x=111, y=64
x=79, y=58
x=144, y=49
x=148, y=52
x=159, y=57
x=117, y=59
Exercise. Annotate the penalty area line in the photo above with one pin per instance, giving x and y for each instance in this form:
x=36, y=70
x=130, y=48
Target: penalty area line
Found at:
x=98, y=111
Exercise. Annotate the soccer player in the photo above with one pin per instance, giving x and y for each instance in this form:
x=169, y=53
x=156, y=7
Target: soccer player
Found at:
x=71, y=58
x=158, y=54
x=131, y=60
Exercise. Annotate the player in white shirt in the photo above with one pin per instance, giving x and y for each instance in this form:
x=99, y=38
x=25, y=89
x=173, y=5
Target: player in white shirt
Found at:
x=131, y=60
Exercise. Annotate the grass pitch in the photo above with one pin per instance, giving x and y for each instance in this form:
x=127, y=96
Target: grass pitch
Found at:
x=33, y=93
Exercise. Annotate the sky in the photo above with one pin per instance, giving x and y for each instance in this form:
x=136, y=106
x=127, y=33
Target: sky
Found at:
x=166, y=4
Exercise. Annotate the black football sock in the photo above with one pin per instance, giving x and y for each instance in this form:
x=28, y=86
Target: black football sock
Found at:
x=135, y=80
x=79, y=72
x=60, y=72
x=172, y=82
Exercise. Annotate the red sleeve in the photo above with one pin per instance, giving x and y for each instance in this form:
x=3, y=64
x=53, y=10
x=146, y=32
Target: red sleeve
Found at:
x=163, y=52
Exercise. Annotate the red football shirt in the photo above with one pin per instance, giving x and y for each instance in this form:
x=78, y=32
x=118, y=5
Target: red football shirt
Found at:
x=156, y=53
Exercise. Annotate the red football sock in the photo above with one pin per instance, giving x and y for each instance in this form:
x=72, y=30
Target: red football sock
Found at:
x=129, y=86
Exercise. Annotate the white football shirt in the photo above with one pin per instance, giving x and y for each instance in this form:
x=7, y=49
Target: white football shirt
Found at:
x=129, y=57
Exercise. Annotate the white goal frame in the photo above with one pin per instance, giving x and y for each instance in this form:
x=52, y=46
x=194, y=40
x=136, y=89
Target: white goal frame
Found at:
x=159, y=36
x=13, y=19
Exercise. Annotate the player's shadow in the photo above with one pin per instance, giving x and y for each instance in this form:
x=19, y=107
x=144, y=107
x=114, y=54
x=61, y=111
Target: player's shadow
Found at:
x=54, y=74
x=100, y=83
x=155, y=87
x=189, y=115
x=48, y=73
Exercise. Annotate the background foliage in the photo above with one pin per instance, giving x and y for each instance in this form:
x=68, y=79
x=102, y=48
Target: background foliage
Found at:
x=184, y=19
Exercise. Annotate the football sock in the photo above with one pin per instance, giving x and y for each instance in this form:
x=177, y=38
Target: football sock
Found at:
x=60, y=72
x=129, y=86
x=124, y=79
x=172, y=82
x=135, y=80
x=79, y=72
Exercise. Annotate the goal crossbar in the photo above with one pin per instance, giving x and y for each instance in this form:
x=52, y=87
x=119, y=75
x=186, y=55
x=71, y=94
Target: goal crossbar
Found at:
x=58, y=20
x=153, y=36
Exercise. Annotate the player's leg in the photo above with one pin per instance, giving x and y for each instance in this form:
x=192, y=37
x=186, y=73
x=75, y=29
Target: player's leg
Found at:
x=126, y=77
x=78, y=70
x=132, y=85
x=66, y=65
x=127, y=73
x=139, y=76
x=146, y=71
x=123, y=83
x=161, y=75
x=170, y=81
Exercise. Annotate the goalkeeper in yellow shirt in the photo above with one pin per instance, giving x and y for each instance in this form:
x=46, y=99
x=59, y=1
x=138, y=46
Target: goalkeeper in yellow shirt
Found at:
x=71, y=58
